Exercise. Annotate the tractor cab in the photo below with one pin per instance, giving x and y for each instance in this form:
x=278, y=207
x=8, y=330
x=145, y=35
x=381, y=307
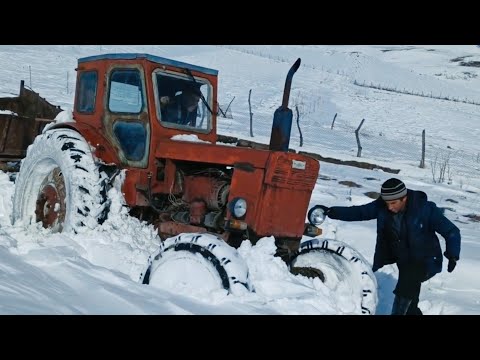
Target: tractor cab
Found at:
x=135, y=100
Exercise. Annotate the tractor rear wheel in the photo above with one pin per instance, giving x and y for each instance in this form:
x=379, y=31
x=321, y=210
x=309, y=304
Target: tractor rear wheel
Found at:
x=59, y=184
x=198, y=262
x=337, y=265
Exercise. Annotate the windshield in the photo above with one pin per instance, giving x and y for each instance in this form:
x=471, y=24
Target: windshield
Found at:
x=179, y=101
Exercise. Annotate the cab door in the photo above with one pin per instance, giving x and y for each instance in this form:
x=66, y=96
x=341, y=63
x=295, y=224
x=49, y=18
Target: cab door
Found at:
x=126, y=118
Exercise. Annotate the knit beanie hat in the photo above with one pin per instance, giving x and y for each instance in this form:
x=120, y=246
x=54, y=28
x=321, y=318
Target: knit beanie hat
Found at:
x=393, y=189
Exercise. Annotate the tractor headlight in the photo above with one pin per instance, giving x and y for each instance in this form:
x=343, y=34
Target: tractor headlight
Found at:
x=238, y=207
x=316, y=215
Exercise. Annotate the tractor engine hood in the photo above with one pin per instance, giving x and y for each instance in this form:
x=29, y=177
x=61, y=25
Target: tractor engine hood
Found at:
x=212, y=153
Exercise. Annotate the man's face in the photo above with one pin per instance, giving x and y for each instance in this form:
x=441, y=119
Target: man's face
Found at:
x=191, y=101
x=396, y=206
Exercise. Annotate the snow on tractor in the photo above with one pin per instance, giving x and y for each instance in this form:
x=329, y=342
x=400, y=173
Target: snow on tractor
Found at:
x=136, y=115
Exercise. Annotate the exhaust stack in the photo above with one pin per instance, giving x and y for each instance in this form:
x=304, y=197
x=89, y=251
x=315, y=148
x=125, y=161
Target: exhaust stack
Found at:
x=283, y=116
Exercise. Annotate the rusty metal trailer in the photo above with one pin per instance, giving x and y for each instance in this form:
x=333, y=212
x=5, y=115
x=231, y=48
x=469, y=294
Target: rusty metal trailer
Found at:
x=22, y=118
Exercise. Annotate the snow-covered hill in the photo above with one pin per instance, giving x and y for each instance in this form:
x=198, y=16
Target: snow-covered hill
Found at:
x=97, y=272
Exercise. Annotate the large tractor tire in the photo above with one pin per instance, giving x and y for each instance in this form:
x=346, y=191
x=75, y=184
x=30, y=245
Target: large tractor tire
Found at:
x=198, y=262
x=59, y=184
x=338, y=265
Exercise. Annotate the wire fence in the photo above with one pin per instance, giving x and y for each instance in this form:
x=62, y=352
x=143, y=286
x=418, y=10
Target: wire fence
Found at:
x=452, y=162
x=445, y=164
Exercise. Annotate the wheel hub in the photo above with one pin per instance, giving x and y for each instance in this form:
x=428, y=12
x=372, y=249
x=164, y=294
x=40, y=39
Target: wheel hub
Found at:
x=50, y=205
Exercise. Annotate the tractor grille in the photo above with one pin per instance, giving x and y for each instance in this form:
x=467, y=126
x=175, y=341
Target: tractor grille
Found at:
x=292, y=171
x=288, y=184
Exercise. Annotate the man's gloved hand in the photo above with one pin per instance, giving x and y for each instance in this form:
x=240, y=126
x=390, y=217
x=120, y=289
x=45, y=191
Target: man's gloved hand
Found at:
x=325, y=209
x=452, y=262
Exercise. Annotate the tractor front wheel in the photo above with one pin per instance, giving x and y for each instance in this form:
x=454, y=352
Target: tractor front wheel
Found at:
x=197, y=262
x=338, y=265
x=59, y=184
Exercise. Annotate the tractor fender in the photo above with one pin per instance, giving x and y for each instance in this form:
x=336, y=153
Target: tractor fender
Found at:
x=101, y=146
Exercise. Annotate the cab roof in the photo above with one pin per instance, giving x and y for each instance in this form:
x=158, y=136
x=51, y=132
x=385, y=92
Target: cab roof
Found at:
x=152, y=58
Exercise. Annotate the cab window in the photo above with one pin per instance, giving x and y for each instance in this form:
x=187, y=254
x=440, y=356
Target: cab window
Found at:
x=132, y=137
x=125, y=94
x=87, y=91
x=183, y=102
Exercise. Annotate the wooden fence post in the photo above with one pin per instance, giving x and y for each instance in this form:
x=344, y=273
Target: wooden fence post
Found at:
x=359, y=152
x=333, y=122
x=298, y=125
x=422, y=162
x=251, y=114
x=228, y=107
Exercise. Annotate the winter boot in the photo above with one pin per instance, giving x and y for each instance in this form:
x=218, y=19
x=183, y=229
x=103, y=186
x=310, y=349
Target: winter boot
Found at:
x=413, y=309
x=400, y=305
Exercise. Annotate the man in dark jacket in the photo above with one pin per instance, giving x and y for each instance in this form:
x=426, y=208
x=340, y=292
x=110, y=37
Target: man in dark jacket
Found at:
x=407, y=224
x=182, y=108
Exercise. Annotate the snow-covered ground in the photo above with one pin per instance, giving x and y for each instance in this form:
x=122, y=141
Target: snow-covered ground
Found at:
x=97, y=272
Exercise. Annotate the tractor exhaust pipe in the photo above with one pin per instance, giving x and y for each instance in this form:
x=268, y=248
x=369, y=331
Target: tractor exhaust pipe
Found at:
x=283, y=116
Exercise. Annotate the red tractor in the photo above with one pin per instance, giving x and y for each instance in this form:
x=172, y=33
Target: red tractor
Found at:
x=153, y=122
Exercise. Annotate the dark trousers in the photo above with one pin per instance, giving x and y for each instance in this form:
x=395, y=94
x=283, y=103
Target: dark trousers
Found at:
x=410, y=278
